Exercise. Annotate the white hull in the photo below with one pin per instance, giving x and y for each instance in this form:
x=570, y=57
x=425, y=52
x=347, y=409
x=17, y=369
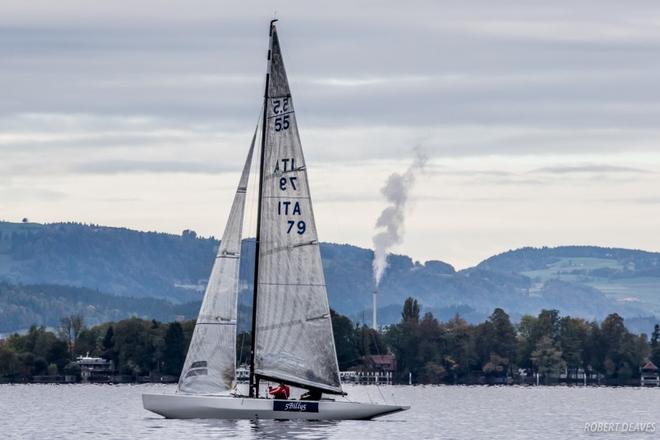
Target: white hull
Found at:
x=187, y=406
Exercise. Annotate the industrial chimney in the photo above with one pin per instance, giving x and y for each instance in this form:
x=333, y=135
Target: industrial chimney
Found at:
x=374, y=313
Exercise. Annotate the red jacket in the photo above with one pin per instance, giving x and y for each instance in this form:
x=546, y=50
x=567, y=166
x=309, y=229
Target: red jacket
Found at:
x=280, y=392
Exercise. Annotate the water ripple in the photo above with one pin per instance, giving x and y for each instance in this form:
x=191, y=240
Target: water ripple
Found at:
x=442, y=412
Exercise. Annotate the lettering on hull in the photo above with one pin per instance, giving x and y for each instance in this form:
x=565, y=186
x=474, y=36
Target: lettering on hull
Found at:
x=295, y=406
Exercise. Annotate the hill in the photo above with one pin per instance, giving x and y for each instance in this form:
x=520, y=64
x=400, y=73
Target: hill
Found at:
x=22, y=306
x=113, y=260
x=585, y=281
x=628, y=277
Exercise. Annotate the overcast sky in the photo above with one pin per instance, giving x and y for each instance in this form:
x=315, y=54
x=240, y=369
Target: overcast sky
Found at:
x=541, y=119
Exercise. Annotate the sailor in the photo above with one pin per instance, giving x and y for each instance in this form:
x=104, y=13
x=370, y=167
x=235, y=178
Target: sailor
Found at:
x=311, y=395
x=280, y=392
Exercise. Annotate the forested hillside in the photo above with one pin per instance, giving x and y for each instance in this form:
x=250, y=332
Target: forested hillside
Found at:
x=626, y=276
x=113, y=260
x=584, y=281
x=23, y=306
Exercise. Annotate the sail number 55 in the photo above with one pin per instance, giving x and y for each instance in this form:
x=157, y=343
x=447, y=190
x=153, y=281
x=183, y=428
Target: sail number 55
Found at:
x=281, y=105
x=281, y=123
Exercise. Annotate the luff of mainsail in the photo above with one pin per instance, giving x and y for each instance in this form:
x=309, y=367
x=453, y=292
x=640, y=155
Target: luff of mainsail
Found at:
x=293, y=338
x=210, y=366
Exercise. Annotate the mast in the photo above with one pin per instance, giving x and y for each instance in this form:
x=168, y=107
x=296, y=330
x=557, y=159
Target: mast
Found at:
x=254, y=380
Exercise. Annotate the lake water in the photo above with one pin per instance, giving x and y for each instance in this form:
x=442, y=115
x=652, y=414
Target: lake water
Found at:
x=442, y=412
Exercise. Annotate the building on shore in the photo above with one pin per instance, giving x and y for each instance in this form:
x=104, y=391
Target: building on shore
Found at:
x=93, y=369
x=243, y=373
x=650, y=375
x=375, y=370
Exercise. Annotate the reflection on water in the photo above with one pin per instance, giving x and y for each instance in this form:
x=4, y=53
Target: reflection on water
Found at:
x=458, y=412
x=292, y=429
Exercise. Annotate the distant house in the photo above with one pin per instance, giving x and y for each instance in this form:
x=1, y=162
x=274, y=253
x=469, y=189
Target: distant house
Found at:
x=650, y=375
x=94, y=368
x=243, y=373
x=380, y=363
x=375, y=369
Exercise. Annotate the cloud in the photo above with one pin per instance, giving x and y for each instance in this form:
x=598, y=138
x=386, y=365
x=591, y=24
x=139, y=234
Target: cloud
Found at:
x=648, y=200
x=590, y=169
x=19, y=193
x=382, y=81
x=651, y=200
x=581, y=30
x=155, y=166
x=517, y=103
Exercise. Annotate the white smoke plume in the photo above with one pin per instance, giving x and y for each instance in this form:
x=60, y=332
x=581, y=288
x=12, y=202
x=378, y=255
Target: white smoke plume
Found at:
x=390, y=223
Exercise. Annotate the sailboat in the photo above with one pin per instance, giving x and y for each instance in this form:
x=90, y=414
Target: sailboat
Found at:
x=292, y=336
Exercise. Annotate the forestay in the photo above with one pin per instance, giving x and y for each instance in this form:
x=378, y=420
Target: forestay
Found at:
x=210, y=365
x=294, y=341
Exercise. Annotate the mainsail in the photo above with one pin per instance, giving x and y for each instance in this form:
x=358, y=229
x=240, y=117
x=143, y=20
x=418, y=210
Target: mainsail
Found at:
x=294, y=340
x=210, y=365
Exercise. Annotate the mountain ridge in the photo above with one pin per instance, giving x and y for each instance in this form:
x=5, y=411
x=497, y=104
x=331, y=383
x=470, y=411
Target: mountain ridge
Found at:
x=586, y=281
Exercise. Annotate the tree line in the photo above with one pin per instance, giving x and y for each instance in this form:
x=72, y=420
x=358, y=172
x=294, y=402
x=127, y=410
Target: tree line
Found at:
x=137, y=347
x=547, y=344
x=428, y=350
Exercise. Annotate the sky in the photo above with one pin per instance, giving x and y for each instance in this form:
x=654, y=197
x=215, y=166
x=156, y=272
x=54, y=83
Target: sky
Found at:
x=541, y=120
